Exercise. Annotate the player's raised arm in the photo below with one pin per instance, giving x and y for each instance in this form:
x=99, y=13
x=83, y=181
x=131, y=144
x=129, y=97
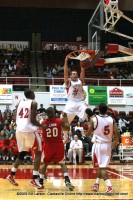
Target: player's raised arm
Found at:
x=66, y=80
x=82, y=74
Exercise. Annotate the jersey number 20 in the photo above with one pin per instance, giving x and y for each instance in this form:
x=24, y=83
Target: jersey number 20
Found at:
x=52, y=132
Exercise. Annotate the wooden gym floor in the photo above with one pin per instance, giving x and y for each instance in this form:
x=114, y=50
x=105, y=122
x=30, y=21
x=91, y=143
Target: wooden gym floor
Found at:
x=82, y=177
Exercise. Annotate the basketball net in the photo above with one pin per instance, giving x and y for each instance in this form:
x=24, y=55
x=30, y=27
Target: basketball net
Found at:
x=82, y=55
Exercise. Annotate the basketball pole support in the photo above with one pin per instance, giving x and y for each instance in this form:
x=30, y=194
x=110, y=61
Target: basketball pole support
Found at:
x=115, y=48
x=112, y=16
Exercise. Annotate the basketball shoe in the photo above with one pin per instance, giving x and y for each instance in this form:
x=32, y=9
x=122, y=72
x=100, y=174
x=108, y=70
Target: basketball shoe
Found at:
x=110, y=190
x=95, y=187
x=35, y=183
x=11, y=179
x=69, y=184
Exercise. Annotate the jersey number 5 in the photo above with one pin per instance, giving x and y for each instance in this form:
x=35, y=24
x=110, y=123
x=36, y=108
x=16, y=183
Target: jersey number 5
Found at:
x=52, y=132
x=24, y=113
x=106, y=130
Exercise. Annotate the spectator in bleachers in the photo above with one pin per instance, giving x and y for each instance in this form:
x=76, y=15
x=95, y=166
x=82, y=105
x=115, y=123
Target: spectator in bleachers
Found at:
x=79, y=130
x=122, y=124
x=7, y=116
x=12, y=132
x=60, y=69
x=12, y=67
x=41, y=109
x=76, y=148
x=48, y=73
x=106, y=70
x=5, y=149
x=71, y=135
x=6, y=123
x=24, y=70
x=4, y=71
x=114, y=69
x=55, y=70
x=2, y=135
x=119, y=76
x=6, y=131
x=111, y=75
x=7, y=109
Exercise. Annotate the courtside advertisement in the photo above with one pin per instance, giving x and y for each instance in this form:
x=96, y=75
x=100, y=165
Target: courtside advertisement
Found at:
x=5, y=94
x=116, y=96
x=58, y=94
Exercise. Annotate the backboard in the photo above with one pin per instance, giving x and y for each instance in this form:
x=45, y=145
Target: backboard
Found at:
x=96, y=32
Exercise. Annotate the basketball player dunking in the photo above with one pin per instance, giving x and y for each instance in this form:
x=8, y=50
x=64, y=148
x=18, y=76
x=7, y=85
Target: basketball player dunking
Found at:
x=76, y=94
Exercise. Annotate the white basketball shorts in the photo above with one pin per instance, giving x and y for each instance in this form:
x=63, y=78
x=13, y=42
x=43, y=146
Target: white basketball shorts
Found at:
x=101, y=154
x=25, y=140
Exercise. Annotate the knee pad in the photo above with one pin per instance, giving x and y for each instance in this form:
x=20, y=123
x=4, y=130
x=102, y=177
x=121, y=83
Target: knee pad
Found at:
x=22, y=155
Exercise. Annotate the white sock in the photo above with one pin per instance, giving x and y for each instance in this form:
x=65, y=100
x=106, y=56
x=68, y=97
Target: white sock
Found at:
x=108, y=183
x=41, y=176
x=97, y=180
x=65, y=174
x=35, y=172
x=14, y=169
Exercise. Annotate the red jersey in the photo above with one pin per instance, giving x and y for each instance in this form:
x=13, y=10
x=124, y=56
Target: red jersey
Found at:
x=53, y=134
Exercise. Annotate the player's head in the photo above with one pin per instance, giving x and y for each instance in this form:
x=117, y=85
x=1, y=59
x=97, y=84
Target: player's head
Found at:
x=103, y=108
x=50, y=112
x=73, y=75
x=29, y=94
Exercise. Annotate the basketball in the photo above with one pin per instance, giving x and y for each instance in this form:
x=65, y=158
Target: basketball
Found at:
x=85, y=63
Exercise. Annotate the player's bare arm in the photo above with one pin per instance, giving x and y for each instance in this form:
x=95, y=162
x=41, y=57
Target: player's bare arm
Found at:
x=66, y=79
x=82, y=75
x=33, y=115
x=64, y=122
x=90, y=127
x=117, y=134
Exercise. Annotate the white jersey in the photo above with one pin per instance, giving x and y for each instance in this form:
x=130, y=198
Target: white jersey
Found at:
x=75, y=91
x=23, y=117
x=103, y=125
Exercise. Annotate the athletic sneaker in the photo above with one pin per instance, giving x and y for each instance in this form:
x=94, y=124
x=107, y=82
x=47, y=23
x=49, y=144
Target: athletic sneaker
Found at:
x=35, y=183
x=69, y=184
x=110, y=190
x=95, y=187
x=11, y=179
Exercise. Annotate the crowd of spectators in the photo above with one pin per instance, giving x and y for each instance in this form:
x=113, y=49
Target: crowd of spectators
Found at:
x=77, y=134
x=14, y=62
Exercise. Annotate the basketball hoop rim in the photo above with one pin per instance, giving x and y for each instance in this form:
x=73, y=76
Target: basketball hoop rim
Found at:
x=90, y=52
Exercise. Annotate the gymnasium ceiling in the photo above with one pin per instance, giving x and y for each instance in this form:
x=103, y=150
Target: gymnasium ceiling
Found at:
x=75, y=4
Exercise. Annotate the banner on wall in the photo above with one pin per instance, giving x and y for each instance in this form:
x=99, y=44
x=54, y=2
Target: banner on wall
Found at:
x=116, y=96
x=129, y=95
x=64, y=46
x=97, y=95
x=5, y=94
x=58, y=94
x=19, y=45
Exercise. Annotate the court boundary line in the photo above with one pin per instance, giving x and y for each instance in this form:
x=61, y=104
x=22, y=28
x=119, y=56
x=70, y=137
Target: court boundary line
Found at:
x=120, y=175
